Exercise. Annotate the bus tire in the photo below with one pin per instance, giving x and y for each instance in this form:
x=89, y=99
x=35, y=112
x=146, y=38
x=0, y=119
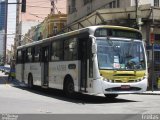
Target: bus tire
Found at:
x=111, y=96
x=69, y=88
x=30, y=81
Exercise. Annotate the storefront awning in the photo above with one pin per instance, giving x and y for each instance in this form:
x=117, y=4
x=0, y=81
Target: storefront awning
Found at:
x=107, y=16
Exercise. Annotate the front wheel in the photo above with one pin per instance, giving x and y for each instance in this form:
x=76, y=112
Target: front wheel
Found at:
x=30, y=81
x=69, y=88
x=111, y=96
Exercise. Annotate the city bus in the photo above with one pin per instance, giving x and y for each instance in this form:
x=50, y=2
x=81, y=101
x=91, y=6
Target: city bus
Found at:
x=109, y=60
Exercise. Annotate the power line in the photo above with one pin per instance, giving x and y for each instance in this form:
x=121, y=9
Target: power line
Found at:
x=36, y=2
x=37, y=6
x=36, y=16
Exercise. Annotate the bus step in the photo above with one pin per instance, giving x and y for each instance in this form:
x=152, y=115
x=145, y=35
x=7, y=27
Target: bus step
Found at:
x=82, y=90
x=45, y=86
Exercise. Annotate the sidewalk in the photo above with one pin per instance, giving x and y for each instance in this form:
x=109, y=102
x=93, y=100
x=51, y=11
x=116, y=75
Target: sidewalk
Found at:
x=2, y=74
x=151, y=92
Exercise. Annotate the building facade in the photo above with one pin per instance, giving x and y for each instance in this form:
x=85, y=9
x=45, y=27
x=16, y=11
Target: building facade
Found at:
x=2, y=14
x=58, y=6
x=1, y=45
x=51, y=25
x=79, y=8
x=36, y=13
x=2, y=29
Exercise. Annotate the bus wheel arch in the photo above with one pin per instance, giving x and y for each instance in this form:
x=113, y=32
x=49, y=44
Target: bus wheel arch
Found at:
x=68, y=86
x=30, y=80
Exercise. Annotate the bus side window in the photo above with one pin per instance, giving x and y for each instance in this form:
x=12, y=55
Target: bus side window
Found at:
x=37, y=54
x=32, y=54
x=57, y=51
x=19, y=56
x=70, y=49
x=26, y=56
x=29, y=54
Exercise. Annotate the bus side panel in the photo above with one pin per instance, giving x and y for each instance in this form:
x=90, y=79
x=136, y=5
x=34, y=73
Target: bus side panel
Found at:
x=19, y=72
x=35, y=70
x=26, y=72
x=58, y=71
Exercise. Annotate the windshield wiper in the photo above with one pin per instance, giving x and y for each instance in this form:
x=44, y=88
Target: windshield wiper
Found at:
x=110, y=42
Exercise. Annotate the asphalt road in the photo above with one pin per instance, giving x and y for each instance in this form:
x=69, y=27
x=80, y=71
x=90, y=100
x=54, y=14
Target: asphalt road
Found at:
x=21, y=100
x=20, y=103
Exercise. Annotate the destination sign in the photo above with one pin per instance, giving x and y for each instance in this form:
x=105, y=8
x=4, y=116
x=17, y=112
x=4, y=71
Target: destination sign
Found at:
x=108, y=32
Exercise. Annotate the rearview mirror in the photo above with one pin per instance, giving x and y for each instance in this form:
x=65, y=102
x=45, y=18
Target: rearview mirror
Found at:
x=94, y=48
x=93, y=43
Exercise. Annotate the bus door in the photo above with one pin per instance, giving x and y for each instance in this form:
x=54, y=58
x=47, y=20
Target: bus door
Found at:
x=83, y=59
x=45, y=66
x=23, y=64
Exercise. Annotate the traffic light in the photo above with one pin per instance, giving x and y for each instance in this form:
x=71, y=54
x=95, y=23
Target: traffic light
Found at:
x=23, y=7
x=152, y=37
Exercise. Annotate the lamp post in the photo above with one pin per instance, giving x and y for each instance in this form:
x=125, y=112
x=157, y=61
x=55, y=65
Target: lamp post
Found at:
x=152, y=42
x=5, y=35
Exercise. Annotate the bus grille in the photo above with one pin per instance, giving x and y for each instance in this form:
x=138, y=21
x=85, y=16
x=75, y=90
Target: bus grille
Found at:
x=129, y=81
x=120, y=89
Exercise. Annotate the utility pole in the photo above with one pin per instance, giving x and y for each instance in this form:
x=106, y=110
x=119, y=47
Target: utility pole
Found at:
x=16, y=40
x=5, y=30
x=138, y=17
x=136, y=3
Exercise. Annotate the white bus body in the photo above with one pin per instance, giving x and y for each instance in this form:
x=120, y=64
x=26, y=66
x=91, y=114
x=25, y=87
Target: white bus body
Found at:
x=72, y=61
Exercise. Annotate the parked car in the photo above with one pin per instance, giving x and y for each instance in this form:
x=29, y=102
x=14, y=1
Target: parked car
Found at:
x=7, y=70
x=2, y=68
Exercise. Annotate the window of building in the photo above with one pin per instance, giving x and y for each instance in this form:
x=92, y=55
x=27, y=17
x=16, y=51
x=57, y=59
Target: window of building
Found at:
x=118, y=4
x=114, y=4
x=72, y=8
x=110, y=5
x=55, y=30
x=157, y=59
x=157, y=38
x=86, y=1
x=156, y=3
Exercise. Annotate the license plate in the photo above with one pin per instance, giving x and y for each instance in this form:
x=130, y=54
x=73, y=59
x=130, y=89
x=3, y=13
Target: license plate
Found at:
x=125, y=86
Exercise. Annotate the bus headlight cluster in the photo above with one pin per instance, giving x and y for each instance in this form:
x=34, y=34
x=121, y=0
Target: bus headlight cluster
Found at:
x=141, y=79
x=111, y=81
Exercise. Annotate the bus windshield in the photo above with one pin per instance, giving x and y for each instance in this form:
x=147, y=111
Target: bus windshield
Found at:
x=120, y=54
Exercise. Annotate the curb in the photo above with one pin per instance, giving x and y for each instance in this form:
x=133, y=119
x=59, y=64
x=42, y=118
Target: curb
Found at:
x=149, y=93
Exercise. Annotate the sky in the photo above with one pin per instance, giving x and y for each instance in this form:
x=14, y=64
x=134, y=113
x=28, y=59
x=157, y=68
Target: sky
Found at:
x=61, y=6
x=11, y=23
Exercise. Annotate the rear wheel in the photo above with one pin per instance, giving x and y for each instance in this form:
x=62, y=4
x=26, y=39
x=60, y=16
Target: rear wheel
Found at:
x=69, y=88
x=111, y=96
x=30, y=81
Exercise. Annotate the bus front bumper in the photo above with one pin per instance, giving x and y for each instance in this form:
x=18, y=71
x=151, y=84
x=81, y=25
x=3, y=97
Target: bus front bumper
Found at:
x=119, y=88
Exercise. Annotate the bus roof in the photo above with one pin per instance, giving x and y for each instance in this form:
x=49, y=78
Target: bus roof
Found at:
x=115, y=27
x=89, y=29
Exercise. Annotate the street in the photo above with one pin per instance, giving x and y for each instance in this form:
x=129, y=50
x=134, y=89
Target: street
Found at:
x=21, y=100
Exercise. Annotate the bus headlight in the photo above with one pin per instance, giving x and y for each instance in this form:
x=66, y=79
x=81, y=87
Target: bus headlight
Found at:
x=107, y=80
x=141, y=79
